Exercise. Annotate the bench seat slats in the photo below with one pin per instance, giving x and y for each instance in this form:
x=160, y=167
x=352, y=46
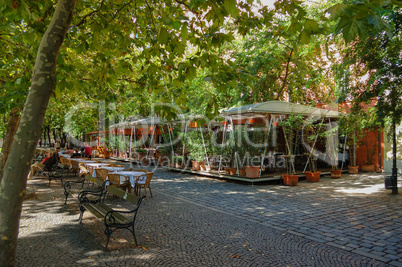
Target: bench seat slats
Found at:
x=116, y=219
x=122, y=194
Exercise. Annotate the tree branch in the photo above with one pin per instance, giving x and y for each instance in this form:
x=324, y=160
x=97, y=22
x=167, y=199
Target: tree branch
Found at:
x=286, y=75
x=118, y=11
x=90, y=14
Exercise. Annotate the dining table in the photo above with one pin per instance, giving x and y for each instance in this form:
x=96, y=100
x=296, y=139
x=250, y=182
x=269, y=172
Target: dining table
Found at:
x=131, y=175
x=113, y=169
x=82, y=160
x=96, y=165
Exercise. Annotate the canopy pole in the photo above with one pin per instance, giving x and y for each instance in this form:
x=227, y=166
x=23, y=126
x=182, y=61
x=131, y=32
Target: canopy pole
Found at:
x=233, y=136
x=170, y=138
x=152, y=141
x=266, y=145
x=291, y=163
x=131, y=141
x=311, y=151
x=223, y=144
x=115, y=142
x=205, y=148
x=344, y=149
x=185, y=136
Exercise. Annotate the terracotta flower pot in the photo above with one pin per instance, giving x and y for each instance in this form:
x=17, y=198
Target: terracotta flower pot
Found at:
x=242, y=172
x=313, y=176
x=290, y=179
x=336, y=173
x=141, y=155
x=177, y=165
x=252, y=171
x=232, y=171
x=353, y=169
x=368, y=168
x=196, y=165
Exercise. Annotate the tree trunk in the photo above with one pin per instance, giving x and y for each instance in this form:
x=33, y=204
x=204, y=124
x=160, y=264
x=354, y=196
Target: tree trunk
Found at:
x=12, y=127
x=13, y=184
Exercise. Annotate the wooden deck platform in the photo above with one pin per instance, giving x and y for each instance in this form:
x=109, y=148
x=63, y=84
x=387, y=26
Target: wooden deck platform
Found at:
x=222, y=175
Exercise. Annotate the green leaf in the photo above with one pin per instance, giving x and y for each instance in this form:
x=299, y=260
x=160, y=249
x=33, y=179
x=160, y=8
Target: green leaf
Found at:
x=305, y=37
x=176, y=25
x=191, y=73
x=336, y=10
x=311, y=26
x=230, y=6
x=351, y=28
x=163, y=36
x=184, y=33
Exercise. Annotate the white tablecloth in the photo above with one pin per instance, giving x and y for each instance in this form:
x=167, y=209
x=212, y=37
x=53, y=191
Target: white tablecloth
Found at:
x=82, y=160
x=132, y=175
x=98, y=165
x=113, y=169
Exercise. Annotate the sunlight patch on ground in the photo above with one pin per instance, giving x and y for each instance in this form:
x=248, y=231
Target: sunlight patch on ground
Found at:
x=366, y=190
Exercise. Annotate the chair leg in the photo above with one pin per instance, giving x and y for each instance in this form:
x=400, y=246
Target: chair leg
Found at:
x=150, y=190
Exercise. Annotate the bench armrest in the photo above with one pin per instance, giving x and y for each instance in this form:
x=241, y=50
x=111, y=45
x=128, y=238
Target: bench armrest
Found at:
x=67, y=185
x=83, y=196
x=110, y=218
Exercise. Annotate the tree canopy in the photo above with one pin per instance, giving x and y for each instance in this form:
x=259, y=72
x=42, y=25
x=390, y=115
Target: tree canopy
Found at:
x=137, y=52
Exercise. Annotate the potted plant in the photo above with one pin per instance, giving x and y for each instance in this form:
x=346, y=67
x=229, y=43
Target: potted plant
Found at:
x=196, y=149
x=311, y=132
x=332, y=150
x=141, y=153
x=229, y=152
x=178, y=161
x=367, y=120
x=291, y=127
x=255, y=143
x=370, y=152
x=351, y=126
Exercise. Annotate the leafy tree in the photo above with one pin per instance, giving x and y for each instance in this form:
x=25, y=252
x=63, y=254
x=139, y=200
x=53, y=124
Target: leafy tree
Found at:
x=377, y=58
x=116, y=39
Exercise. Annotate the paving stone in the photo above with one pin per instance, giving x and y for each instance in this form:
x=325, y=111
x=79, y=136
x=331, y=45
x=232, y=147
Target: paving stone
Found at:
x=198, y=221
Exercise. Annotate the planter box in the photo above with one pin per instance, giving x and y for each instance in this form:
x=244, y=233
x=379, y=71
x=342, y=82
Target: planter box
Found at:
x=252, y=171
x=196, y=165
x=291, y=180
x=232, y=171
x=368, y=168
x=336, y=174
x=141, y=155
x=353, y=169
x=313, y=177
x=205, y=168
x=177, y=165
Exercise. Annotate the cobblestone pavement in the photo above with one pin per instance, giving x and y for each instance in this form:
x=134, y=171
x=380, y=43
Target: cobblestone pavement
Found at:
x=197, y=221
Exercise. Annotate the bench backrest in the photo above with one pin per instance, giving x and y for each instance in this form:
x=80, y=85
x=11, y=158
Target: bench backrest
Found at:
x=94, y=180
x=122, y=194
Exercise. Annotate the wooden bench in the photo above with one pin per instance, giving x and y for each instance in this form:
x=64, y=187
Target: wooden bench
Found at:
x=52, y=173
x=74, y=188
x=113, y=219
